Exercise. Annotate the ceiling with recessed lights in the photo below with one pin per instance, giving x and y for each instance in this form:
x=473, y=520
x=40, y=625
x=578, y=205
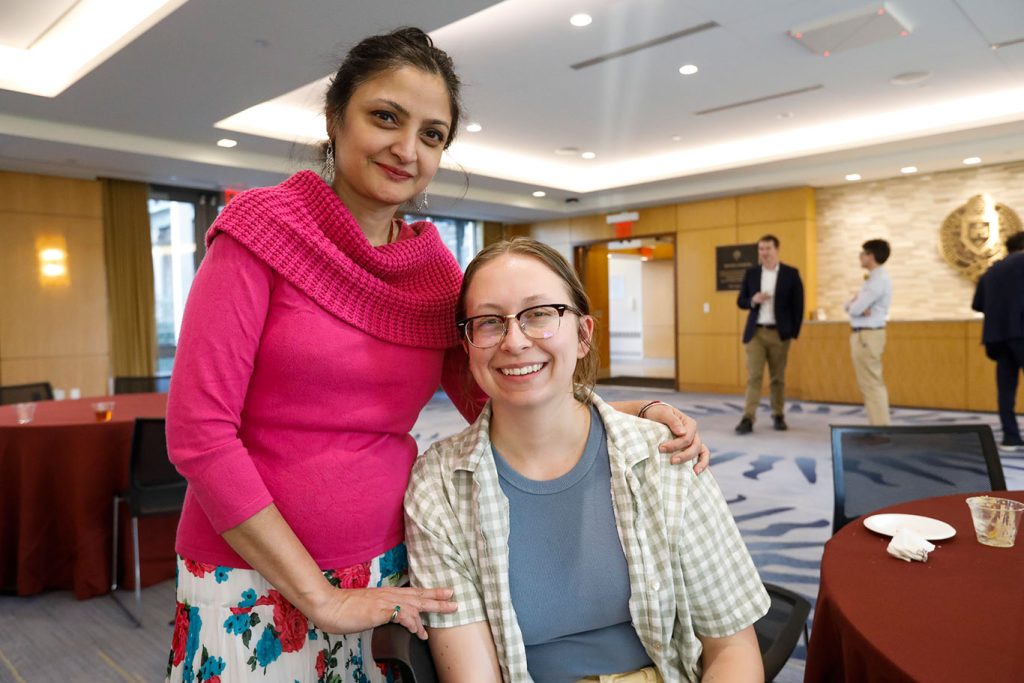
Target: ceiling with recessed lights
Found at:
x=650, y=101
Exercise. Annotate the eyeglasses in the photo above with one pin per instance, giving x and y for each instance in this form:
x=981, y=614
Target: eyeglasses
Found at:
x=536, y=322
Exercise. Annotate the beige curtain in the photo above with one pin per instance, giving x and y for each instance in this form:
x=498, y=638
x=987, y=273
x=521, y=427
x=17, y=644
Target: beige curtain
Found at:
x=129, y=256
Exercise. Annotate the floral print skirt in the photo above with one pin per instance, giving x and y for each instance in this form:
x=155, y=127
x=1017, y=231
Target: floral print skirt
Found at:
x=231, y=625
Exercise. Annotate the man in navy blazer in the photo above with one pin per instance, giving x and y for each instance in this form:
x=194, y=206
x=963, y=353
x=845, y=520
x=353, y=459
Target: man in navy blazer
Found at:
x=1000, y=296
x=774, y=295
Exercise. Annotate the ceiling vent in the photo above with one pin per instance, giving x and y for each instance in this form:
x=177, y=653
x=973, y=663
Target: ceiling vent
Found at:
x=707, y=26
x=869, y=25
x=758, y=100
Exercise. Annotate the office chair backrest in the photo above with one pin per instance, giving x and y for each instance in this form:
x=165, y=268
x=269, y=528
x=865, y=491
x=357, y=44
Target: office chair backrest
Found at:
x=142, y=385
x=874, y=467
x=155, y=486
x=392, y=644
x=26, y=393
x=778, y=632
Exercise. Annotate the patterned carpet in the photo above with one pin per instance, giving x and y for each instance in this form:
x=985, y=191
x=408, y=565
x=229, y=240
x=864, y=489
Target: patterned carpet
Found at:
x=779, y=486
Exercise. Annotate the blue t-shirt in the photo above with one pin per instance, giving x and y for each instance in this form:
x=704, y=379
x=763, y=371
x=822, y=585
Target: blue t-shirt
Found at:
x=567, y=571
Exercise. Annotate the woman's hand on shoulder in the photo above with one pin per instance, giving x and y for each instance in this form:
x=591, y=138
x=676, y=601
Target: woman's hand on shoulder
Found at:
x=687, y=444
x=353, y=610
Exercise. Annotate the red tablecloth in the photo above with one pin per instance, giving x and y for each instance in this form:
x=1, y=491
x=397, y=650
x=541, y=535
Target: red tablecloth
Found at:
x=958, y=617
x=58, y=476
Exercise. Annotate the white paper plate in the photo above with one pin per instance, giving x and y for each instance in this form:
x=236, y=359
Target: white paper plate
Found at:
x=926, y=527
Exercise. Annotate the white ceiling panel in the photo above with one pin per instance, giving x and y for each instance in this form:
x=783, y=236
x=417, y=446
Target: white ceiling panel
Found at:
x=210, y=59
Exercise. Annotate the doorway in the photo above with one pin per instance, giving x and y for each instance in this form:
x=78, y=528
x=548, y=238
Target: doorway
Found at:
x=632, y=289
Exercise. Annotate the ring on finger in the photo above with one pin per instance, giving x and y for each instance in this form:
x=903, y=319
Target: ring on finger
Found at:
x=394, y=615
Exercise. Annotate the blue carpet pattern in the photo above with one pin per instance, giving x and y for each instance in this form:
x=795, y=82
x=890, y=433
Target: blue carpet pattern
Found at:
x=778, y=484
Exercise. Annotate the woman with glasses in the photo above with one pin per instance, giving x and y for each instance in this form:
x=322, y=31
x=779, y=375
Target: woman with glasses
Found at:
x=574, y=550
x=316, y=330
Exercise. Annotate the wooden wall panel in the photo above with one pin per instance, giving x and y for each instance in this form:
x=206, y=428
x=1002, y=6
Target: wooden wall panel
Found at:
x=39, y=316
x=49, y=195
x=55, y=333
x=819, y=366
x=87, y=373
x=656, y=220
x=924, y=364
x=695, y=278
x=713, y=213
x=779, y=205
x=708, y=360
x=591, y=228
x=981, y=374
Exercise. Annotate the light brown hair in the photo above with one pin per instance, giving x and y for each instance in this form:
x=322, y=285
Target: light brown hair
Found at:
x=585, y=374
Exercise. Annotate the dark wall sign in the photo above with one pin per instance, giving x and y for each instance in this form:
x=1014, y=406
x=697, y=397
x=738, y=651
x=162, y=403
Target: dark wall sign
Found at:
x=731, y=262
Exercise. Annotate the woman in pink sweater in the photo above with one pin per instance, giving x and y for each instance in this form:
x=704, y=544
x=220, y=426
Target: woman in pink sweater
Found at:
x=317, y=328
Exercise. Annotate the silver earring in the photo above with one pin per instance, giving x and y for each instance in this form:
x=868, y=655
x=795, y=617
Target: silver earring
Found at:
x=329, y=161
x=422, y=202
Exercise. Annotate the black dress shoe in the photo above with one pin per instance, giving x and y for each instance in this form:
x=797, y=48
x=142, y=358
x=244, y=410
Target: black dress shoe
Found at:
x=745, y=426
x=779, y=423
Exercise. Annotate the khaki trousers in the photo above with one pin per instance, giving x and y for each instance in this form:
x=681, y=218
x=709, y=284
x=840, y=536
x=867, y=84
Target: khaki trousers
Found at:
x=765, y=346
x=866, y=347
x=646, y=675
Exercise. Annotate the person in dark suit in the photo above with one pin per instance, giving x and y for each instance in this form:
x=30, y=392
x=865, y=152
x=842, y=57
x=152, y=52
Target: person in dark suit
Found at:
x=1000, y=296
x=774, y=295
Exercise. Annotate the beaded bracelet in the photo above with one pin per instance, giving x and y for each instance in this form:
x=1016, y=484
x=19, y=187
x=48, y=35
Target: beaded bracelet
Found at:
x=650, y=405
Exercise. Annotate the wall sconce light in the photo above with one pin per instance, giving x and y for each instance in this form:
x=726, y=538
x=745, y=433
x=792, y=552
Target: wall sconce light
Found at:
x=52, y=253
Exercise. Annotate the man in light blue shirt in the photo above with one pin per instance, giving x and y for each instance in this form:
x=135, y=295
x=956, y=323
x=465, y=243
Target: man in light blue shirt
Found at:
x=868, y=311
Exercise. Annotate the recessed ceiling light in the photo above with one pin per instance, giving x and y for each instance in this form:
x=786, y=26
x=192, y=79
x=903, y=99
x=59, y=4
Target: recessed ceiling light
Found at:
x=474, y=128
x=540, y=193
x=226, y=142
x=971, y=161
x=908, y=169
x=688, y=69
x=677, y=138
x=853, y=176
x=580, y=20
x=588, y=155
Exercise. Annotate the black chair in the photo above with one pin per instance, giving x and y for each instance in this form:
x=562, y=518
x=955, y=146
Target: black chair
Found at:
x=874, y=467
x=25, y=393
x=154, y=488
x=158, y=384
x=392, y=644
x=779, y=631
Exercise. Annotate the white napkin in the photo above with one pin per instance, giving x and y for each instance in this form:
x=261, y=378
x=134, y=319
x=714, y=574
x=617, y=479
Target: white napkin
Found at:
x=908, y=545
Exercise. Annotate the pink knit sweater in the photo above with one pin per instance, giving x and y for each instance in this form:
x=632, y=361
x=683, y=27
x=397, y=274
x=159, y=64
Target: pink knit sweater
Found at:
x=287, y=388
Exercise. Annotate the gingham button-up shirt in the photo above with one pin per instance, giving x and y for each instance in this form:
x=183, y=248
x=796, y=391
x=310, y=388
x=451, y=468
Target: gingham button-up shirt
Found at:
x=689, y=571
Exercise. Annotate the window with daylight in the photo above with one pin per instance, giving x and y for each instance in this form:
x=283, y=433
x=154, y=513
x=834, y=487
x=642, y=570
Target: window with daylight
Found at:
x=178, y=220
x=463, y=238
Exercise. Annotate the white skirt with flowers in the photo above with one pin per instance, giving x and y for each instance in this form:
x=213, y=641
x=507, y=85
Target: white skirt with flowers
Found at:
x=231, y=625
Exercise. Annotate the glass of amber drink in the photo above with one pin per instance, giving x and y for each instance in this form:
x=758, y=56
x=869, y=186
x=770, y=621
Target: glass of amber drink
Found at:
x=104, y=410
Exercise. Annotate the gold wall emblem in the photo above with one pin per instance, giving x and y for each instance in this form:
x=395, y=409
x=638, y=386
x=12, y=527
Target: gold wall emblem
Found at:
x=973, y=237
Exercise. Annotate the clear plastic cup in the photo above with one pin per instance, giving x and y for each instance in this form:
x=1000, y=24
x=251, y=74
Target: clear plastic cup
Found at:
x=25, y=412
x=996, y=520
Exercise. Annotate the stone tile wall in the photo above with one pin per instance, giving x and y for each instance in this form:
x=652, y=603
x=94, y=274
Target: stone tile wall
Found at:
x=908, y=212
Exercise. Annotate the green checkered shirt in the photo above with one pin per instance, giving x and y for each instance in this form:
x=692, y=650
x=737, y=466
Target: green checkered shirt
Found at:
x=689, y=571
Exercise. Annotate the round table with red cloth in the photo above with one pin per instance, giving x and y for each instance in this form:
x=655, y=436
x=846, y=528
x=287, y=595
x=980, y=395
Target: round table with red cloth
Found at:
x=58, y=477
x=957, y=617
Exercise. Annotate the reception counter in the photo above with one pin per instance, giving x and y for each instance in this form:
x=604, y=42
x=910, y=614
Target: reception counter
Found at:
x=926, y=365
x=938, y=364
